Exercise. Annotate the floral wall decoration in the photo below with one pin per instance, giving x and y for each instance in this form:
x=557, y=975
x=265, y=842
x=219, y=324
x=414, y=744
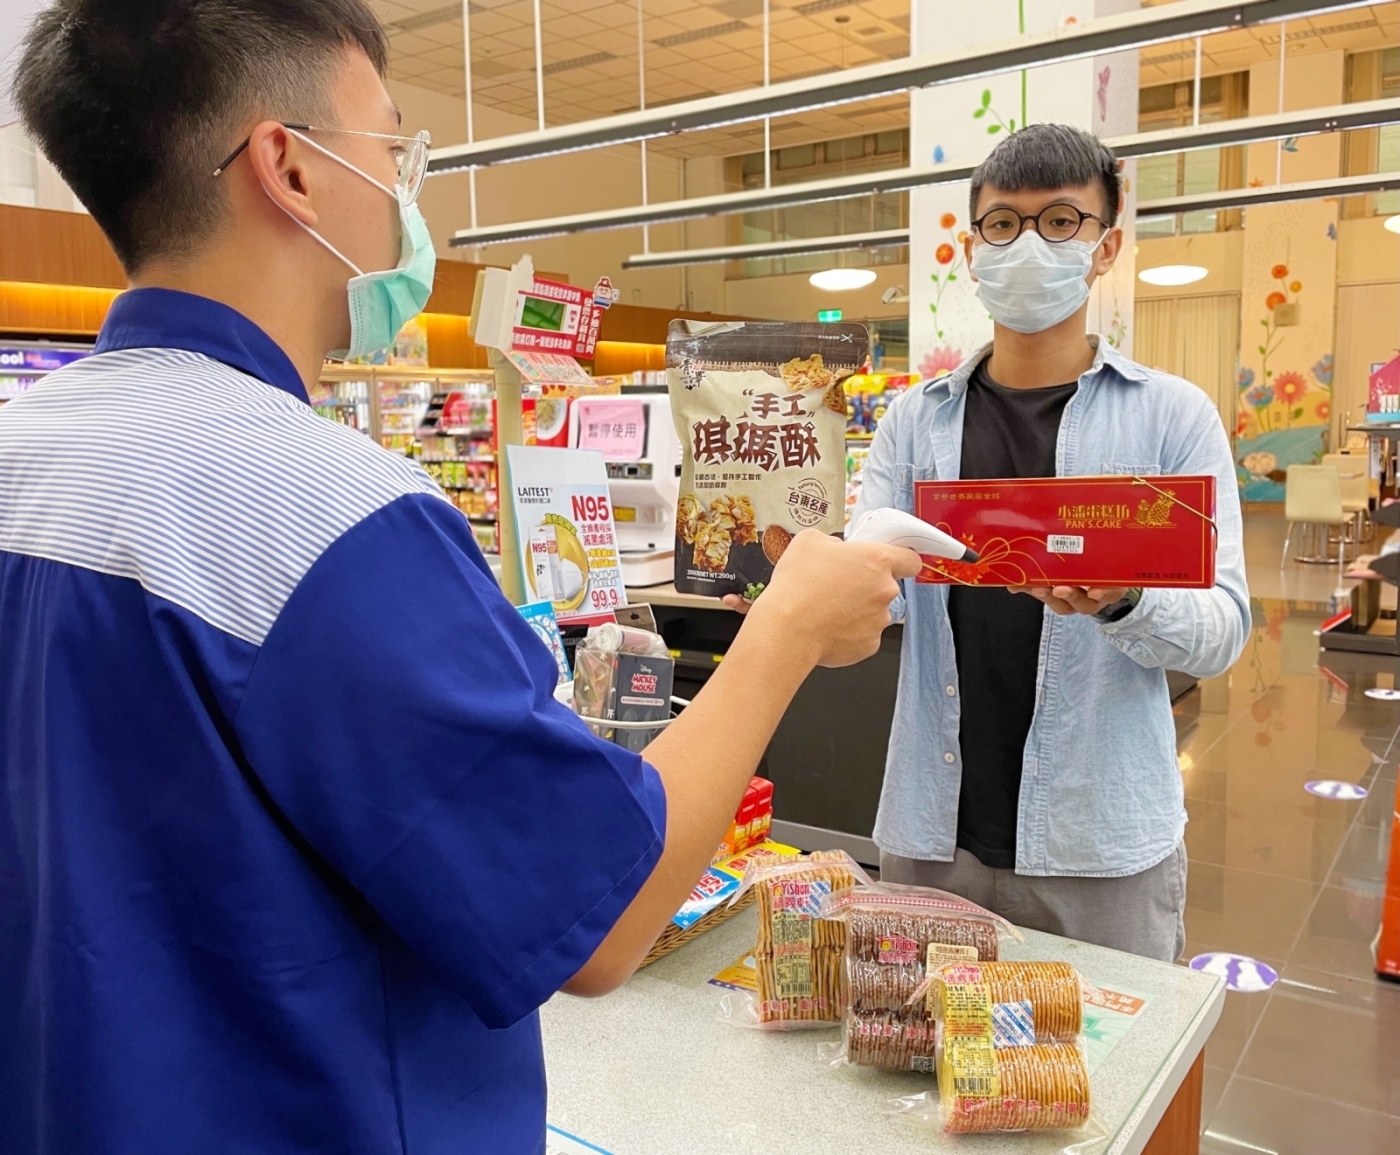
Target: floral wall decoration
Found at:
x=962, y=121
x=949, y=261
x=1285, y=374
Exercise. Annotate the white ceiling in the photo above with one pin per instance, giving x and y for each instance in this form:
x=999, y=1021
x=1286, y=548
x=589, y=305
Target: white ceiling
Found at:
x=695, y=48
x=691, y=48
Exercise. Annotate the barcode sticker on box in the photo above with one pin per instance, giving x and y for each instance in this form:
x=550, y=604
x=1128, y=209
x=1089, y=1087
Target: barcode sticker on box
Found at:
x=1064, y=543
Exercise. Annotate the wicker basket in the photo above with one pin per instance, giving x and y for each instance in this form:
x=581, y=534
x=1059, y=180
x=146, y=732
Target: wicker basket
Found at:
x=673, y=937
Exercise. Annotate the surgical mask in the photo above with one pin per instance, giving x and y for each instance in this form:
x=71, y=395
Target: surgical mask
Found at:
x=1031, y=285
x=381, y=303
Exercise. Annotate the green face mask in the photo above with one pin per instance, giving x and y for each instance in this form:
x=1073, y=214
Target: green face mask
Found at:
x=381, y=303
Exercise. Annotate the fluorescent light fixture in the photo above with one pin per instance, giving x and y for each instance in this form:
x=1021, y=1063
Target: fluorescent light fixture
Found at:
x=885, y=238
x=1243, y=198
x=1174, y=274
x=839, y=280
x=1179, y=21
x=1393, y=223
x=1363, y=114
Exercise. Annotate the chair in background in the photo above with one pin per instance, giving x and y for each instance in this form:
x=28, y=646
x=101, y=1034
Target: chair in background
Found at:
x=1313, y=497
x=1356, y=490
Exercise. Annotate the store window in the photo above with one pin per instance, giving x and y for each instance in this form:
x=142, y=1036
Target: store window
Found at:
x=1201, y=170
x=866, y=153
x=1372, y=76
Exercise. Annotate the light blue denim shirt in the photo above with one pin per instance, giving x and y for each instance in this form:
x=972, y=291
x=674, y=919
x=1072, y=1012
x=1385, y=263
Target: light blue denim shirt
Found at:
x=1101, y=793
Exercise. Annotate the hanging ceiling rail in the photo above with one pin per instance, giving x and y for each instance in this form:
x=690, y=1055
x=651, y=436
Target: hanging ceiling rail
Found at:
x=1247, y=130
x=1243, y=198
x=893, y=238
x=883, y=239
x=1182, y=20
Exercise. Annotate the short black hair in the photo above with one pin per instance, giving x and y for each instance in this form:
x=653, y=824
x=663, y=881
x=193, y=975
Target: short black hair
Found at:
x=1049, y=156
x=136, y=101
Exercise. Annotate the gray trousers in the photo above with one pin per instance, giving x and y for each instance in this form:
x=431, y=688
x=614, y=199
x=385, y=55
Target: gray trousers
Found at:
x=1142, y=914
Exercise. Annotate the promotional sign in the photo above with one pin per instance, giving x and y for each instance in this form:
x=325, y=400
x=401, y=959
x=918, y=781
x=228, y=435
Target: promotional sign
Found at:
x=1103, y=532
x=568, y=542
x=551, y=317
x=548, y=370
x=615, y=428
x=38, y=360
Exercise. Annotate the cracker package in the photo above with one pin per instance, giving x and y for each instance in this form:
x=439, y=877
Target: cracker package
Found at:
x=760, y=409
x=894, y=937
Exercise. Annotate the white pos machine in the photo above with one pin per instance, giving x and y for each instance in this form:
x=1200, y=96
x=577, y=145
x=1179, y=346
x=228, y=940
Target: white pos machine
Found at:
x=637, y=437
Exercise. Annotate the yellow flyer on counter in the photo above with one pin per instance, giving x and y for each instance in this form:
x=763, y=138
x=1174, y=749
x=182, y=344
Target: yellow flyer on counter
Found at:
x=740, y=975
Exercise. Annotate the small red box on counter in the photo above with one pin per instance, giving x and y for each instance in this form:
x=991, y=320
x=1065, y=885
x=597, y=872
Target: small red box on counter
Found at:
x=1104, y=532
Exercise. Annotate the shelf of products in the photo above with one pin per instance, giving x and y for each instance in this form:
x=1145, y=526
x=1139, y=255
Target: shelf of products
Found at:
x=868, y=397
x=442, y=418
x=23, y=364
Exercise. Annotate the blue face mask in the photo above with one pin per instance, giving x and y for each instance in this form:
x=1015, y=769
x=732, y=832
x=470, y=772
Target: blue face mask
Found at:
x=381, y=303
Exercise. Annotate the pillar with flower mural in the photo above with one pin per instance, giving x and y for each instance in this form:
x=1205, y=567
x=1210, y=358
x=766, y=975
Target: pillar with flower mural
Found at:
x=1288, y=292
x=960, y=123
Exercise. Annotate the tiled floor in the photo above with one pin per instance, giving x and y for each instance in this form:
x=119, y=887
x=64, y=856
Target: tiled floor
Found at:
x=1311, y=1067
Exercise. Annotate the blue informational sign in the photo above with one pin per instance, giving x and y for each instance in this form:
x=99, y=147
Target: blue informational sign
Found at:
x=38, y=360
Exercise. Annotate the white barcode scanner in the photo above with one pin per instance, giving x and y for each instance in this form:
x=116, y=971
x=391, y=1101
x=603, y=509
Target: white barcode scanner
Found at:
x=894, y=527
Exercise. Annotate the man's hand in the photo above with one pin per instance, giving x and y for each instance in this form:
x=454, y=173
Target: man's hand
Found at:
x=1066, y=600
x=828, y=603
x=830, y=599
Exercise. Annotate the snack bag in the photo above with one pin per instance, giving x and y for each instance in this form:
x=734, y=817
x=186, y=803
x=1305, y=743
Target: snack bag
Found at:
x=1010, y=1055
x=760, y=409
x=896, y=937
x=799, y=954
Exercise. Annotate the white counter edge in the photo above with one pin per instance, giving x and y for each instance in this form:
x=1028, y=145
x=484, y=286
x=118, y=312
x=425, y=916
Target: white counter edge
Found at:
x=1141, y=1124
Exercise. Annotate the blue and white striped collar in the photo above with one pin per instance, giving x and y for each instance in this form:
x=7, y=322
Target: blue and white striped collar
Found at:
x=169, y=319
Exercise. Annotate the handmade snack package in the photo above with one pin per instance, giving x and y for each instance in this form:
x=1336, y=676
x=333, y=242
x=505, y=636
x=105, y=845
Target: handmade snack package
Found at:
x=760, y=409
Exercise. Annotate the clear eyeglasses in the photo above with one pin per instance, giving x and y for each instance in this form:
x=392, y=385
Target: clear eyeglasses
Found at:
x=1055, y=223
x=410, y=154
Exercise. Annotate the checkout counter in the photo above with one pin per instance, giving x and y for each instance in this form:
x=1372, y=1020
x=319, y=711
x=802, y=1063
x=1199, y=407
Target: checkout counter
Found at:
x=827, y=765
x=652, y=1068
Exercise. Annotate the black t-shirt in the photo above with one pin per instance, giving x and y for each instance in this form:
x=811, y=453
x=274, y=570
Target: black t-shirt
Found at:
x=1006, y=433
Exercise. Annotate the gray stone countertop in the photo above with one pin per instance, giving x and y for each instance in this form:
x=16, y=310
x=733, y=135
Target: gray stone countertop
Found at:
x=654, y=1070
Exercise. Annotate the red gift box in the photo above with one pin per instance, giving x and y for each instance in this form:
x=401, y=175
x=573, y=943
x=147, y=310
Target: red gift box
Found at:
x=1103, y=532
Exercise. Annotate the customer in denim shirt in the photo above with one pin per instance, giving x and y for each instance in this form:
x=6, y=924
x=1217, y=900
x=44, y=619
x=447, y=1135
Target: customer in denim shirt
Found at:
x=1032, y=760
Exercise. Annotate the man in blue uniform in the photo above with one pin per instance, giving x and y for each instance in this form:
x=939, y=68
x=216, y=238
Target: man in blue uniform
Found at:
x=294, y=840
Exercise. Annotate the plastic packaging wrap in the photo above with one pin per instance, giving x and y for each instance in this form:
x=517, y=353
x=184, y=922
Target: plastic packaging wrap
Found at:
x=623, y=674
x=894, y=935
x=1053, y=991
x=1040, y=1087
x=1010, y=1053
x=799, y=956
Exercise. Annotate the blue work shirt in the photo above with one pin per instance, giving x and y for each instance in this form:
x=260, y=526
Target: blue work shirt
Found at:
x=1101, y=792
x=294, y=839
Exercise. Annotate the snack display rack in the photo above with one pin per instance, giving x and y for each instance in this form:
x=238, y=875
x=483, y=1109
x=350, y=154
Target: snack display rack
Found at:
x=23, y=364
x=442, y=418
x=868, y=396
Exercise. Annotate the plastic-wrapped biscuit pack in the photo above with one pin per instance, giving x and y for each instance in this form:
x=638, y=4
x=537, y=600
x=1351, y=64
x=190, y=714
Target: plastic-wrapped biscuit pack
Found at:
x=799, y=954
x=1010, y=1055
x=893, y=936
